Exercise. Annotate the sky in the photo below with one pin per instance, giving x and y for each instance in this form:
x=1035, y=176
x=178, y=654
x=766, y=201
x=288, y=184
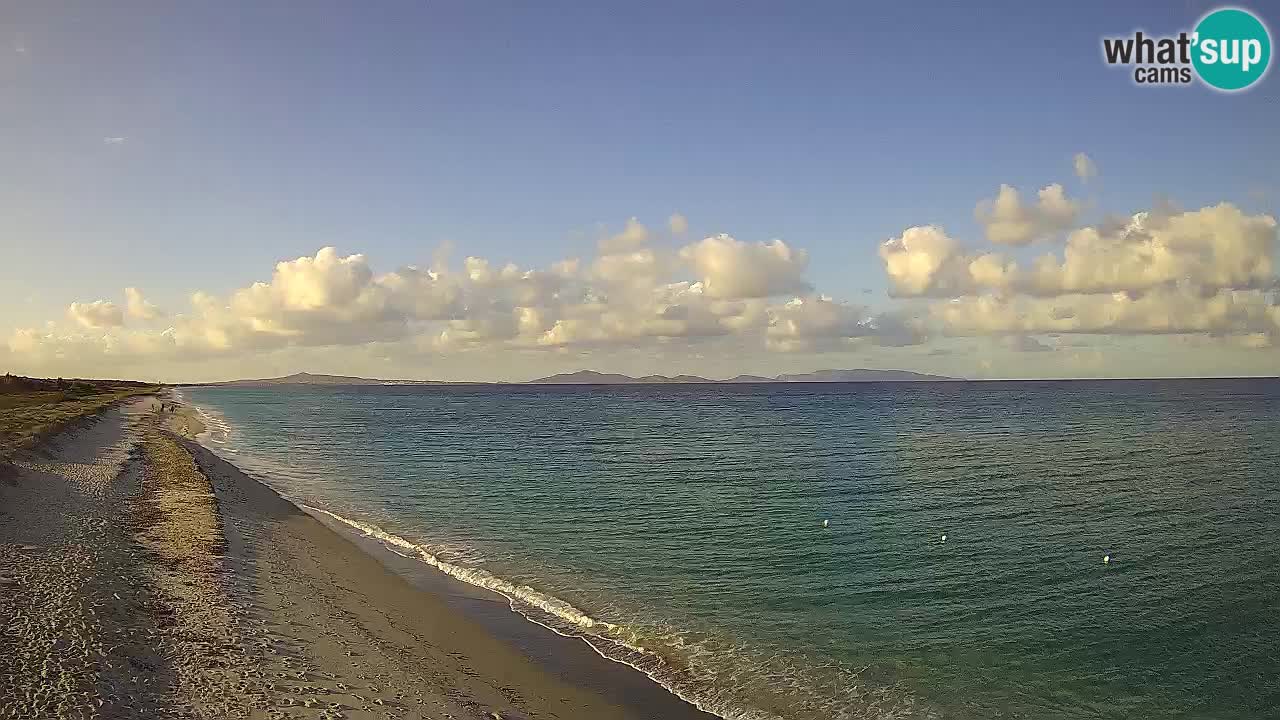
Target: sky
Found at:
x=499, y=191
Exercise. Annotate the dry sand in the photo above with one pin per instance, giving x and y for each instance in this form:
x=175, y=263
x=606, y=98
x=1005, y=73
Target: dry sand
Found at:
x=141, y=576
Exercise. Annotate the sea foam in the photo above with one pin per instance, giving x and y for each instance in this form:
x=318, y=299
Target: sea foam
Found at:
x=611, y=641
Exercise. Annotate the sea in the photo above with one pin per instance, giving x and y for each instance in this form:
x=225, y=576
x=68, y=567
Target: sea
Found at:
x=1075, y=549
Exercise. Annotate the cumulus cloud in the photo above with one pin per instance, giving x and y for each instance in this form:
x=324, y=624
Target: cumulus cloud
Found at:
x=23, y=340
x=630, y=294
x=1173, y=310
x=729, y=268
x=1208, y=272
x=637, y=271
x=138, y=307
x=1166, y=271
x=1212, y=248
x=1010, y=221
x=1084, y=167
x=677, y=310
x=330, y=299
x=96, y=314
x=53, y=343
x=413, y=294
x=325, y=299
x=678, y=224
x=924, y=261
x=818, y=323
x=509, y=286
x=632, y=236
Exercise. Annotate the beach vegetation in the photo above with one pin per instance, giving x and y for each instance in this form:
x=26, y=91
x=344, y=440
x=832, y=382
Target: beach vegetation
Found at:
x=32, y=408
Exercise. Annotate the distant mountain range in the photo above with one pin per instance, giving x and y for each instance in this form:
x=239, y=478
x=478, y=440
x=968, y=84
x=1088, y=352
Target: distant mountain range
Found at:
x=303, y=378
x=590, y=377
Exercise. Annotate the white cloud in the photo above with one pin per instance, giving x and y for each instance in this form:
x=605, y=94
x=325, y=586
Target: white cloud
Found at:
x=1084, y=167
x=326, y=299
x=419, y=295
x=138, y=307
x=52, y=343
x=512, y=286
x=674, y=310
x=97, y=314
x=1009, y=221
x=629, y=295
x=637, y=271
x=926, y=262
x=480, y=330
x=818, y=323
x=632, y=237
x=678, y=224
x=114, y=140
x=1213, y=248
x=1173, y=310
x=1208, y=272
x=920, y=261
x=23, y=340
x=729, y=268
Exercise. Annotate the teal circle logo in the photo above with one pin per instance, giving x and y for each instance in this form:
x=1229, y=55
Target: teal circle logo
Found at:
x=1231, y=49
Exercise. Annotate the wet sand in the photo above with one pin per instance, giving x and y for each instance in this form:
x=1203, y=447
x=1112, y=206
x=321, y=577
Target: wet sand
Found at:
x=143, y=576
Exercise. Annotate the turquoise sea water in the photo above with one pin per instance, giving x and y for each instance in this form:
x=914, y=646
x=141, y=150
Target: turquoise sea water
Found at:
x=681, y=529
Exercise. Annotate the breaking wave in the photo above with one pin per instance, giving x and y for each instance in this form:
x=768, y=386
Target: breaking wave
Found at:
x=611, y=641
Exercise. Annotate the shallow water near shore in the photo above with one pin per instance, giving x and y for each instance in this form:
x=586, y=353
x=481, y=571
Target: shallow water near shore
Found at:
x=680, y=529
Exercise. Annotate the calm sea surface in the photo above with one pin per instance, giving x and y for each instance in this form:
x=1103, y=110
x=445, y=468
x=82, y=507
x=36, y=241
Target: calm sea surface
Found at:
x=681, y=529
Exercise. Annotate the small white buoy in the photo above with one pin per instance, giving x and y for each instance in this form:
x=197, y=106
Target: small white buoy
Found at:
x=1106, y=559
x=825, y=523
x=944, y=538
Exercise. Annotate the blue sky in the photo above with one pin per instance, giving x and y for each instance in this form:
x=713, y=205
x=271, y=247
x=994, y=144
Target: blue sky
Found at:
x=256, y=132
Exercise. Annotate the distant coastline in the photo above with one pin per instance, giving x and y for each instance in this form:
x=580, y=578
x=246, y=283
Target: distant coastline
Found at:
x=591, y=377
x=304, y=378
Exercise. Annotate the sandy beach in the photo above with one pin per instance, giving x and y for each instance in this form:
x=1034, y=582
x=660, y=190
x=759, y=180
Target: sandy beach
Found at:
x=142, y=576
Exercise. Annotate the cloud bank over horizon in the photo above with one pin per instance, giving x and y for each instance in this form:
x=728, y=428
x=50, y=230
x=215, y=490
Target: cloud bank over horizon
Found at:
x=1206, y=274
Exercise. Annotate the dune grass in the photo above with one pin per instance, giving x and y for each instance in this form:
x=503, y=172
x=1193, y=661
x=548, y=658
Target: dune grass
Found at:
x=32, y=408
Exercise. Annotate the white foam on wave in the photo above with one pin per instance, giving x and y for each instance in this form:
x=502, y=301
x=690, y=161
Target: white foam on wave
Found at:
x=478, y=577
x=216, y=429
x=522, y=598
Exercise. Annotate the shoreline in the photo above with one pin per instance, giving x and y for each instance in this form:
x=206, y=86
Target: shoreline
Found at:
x=575, y=655
x=566, y=654
x=183, y=587
x=571, y=657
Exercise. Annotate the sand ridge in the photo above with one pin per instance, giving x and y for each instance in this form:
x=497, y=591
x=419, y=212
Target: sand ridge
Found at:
x=112, y=604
